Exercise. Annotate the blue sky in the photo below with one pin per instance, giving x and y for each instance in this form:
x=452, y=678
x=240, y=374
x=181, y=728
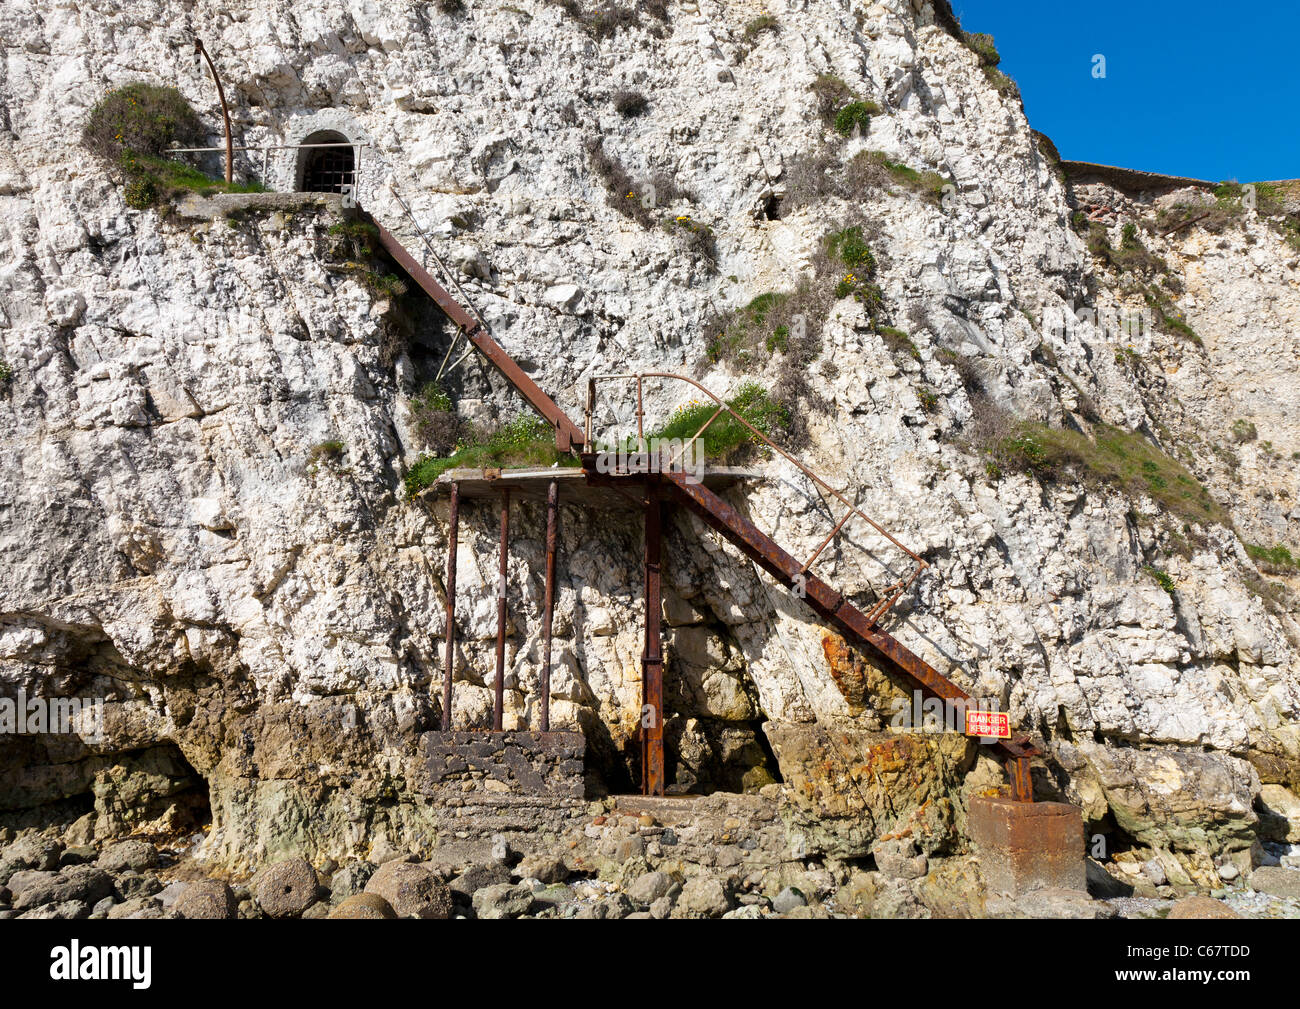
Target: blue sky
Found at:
x=1191, y=88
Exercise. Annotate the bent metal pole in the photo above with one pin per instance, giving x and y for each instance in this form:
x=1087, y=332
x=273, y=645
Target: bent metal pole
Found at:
x=225, y=111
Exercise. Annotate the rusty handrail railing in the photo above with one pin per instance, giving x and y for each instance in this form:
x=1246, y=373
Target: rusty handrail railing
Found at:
x=266, y=150
x=891, y=594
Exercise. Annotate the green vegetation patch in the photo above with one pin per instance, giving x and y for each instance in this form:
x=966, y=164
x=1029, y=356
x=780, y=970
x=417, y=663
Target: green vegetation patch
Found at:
x=1122, y=459
x=436, y=422
x=850, y=248
x=760, y=24
x=855, y=115
x=831, y=93
x=355, y=249
x=899, y=342
x=726, y=435
x=1168, y=318
x=1162, y=578
x=524, y=442
x=140, y=119
x=928, y=183
x=1131, y=256
x=1278, y=557
x=359, y=237
x=983, y=45
x=133, y=127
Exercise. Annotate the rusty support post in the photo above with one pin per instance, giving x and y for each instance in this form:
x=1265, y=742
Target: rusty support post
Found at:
x=640, y=417
x=552, y=520
x=498, y=706
x=652, y=661
x=1022, y=784
x=453, y=523
x=225, y=112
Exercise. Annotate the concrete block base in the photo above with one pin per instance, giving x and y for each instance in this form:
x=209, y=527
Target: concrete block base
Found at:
x=1026, y=846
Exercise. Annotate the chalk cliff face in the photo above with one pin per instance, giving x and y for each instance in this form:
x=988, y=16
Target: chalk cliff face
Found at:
x=262, y=608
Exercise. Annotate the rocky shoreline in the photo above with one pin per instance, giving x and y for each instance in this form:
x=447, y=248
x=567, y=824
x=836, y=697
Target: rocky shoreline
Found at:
x=711, y=857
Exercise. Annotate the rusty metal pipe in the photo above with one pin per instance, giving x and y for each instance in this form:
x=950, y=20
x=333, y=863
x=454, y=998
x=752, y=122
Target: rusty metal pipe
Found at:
x=827, y=541
x=652, y=662
x=453, y=528
x=499, y=703
x=640, y=413
x=225, y=112
x=552, y=520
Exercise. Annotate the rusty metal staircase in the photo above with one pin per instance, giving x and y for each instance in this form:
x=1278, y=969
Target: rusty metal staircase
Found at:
x=883, y=649
x=663, y=481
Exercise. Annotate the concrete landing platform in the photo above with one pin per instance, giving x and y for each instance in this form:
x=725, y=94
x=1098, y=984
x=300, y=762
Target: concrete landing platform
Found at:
x=574, y=488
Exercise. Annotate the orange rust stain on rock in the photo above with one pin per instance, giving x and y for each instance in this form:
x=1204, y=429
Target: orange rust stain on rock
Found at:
x=847, y=671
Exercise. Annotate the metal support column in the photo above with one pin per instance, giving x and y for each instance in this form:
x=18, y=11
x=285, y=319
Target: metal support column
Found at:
x=1022, y=783
x=453, y=523
x=652, y=661
x=498, y=707
x=552, y=520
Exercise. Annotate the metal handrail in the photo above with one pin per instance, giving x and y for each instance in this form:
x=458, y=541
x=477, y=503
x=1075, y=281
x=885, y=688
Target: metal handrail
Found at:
x=891, y=594
x=428, y=244
x=266, y=150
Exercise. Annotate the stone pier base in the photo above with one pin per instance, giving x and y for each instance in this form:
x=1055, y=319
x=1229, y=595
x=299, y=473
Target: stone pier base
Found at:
x=473, y=764
x=1024, y=846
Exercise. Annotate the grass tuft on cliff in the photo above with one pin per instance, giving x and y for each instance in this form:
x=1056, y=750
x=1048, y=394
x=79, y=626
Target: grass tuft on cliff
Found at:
x=726, y=435
x=523, y=442
x=1125, y=460
x=1274, y=560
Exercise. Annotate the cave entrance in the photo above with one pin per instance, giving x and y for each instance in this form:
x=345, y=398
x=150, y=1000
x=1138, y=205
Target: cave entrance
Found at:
x=153, y=793
x=327, y=169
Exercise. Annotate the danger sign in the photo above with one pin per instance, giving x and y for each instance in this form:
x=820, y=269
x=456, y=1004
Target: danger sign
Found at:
x=989, y=724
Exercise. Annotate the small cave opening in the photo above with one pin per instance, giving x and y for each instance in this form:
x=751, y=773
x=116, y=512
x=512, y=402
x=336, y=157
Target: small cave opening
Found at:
x=713, y=736
x=707, y=755
x=154, y=793
x=772, y=208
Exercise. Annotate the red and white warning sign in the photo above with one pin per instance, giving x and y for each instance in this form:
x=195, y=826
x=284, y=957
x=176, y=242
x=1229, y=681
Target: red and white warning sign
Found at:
x=989, y=724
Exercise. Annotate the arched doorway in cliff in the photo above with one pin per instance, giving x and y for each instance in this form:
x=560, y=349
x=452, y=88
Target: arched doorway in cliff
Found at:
x=326, y=169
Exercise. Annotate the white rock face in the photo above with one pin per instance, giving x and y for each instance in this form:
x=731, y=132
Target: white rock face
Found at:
x=173, y=529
